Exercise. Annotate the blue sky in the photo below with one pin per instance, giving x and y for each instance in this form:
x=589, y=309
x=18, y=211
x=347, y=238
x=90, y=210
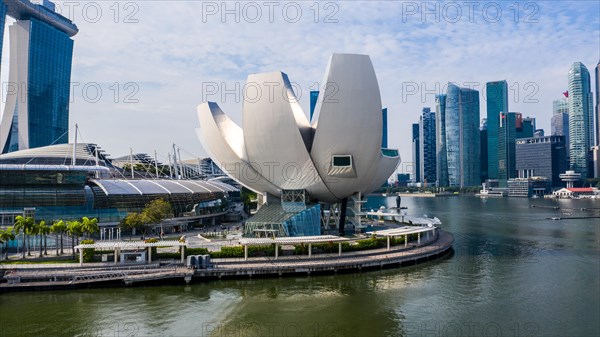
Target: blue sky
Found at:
x=163, y=55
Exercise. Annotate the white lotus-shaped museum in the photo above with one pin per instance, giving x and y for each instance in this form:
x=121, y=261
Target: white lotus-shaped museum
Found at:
x=278, y=149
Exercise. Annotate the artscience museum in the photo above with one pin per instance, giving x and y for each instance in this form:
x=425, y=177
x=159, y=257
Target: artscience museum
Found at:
x=299, y=166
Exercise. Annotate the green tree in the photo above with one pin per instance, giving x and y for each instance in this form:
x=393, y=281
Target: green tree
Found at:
x=157, y=210
x=44, y=230
x=59, y=228
x=137, y=221
x=74, y=230
x=24, y=225
x=89, y=226
x=6, y=236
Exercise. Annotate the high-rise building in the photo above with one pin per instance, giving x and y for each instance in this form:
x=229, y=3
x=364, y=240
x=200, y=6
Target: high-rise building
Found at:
x=384, y=135
x=41, y=49
x=598, y=103
x=462, y=136
x=542, y=157
x=496, y=94
x=314, y=97
x=507, y=136
x=560, y=106
x=580, y=119
x=416, y=149
x=440, y=141
x=527, y=127
x=560, y=126
x=596, y=152
x=483, y=149
x=428, y=146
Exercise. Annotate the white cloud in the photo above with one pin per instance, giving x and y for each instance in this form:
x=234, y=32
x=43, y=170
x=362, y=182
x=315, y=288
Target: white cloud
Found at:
x=171, y=52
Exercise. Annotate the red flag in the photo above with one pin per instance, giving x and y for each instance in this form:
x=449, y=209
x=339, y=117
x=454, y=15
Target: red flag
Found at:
x=566, y=93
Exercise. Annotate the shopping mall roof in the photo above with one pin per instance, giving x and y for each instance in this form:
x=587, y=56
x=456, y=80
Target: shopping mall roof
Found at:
x=160, y=186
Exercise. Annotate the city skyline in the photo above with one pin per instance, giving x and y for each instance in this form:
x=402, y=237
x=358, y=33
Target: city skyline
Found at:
x=151, y=64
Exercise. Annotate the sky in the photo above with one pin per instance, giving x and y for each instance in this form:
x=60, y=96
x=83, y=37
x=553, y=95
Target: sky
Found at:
x=140, y=68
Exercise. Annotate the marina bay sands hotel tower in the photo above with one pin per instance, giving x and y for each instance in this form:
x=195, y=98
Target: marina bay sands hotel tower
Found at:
x=36, y=112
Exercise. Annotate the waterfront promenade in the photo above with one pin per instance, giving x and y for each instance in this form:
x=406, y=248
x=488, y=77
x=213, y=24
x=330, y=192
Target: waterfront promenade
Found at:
x=65, y=276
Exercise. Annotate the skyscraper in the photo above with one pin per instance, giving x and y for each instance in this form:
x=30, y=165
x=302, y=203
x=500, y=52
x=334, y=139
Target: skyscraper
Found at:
x=37, y=109
x=560, y=106
x=527, y=127
x=560, y=120
x=416, y=149
x=598, y=103
x=384, y=135
x=462, y=136
x=580, y=119
x=496, y=94
x=507, y=136
x=428, y=146
x=596, y=152
x=440, y=141
x=483, y=149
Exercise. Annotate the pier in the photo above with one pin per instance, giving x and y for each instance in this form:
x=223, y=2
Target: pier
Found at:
x=38, y=277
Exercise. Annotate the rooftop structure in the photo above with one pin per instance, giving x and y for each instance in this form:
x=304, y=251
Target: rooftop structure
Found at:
x=570, y=177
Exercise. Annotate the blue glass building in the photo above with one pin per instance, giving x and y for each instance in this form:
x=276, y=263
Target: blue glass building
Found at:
x=483, y=149
x=428, y=146
x=581, y=134
x=527, y=128
x=507, y=137
x=416, y=152
x=440, y=138
x=37, y=109
x=496, y=94
x=462, y=136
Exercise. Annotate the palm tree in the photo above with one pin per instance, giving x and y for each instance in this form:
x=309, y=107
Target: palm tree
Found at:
x=24, y=225
x=89, y=226
x=59, y=227
x=74, y=229
x=5, y=236
x=44, y=230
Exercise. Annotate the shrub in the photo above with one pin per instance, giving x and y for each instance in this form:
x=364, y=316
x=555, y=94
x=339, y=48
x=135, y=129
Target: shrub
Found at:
x=196, y=251
x=238, y=251
x=228, y=251
x=88, y=253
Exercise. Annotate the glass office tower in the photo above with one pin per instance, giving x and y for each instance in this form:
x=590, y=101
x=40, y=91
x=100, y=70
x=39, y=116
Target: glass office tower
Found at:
x=580, y=118
x=428, y=145
x=462, y=136
x=416, y=149
x=496, y=94
x=37, y=104
x=440, y=140
x=507, y=136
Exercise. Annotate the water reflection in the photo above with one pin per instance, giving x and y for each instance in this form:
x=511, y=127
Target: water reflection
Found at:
x=513, y=273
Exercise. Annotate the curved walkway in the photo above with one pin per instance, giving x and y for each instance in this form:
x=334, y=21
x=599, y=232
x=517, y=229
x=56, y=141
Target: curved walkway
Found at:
x=51, y=277
x=397, y=255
